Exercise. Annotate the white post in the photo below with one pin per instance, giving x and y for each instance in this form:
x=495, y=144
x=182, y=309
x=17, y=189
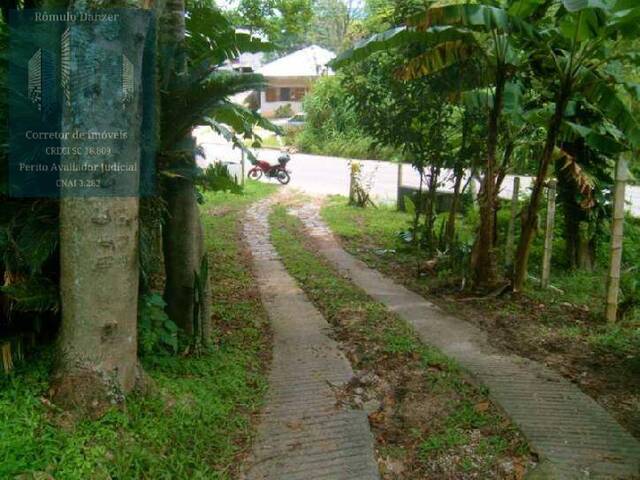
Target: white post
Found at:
x=548, y=236
x=352, y=183
x=242, y=174
x=617, y=229
x=512, y=222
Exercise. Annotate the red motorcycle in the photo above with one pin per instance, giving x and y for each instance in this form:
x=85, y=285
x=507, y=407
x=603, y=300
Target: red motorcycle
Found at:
x=279, y=171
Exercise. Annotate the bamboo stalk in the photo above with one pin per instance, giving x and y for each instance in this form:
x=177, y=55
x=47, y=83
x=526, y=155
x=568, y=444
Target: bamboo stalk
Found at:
x=617, y=230
x=511, y=236
x=548, y=234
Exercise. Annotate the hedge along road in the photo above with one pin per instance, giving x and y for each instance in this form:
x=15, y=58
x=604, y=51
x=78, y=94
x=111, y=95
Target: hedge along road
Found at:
x=323, y=175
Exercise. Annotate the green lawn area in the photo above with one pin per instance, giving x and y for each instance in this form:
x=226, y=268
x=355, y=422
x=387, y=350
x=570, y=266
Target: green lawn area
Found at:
x=196, y=418
x=436, y=424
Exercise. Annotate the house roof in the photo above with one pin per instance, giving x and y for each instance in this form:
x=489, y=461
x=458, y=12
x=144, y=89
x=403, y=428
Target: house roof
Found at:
x=308, y=62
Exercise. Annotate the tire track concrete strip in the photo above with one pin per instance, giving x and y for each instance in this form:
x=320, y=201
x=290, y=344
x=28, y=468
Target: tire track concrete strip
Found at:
x=574, y=436
x=304, y=433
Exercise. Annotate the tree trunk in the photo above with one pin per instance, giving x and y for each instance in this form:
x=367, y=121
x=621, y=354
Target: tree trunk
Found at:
x=483, y=257
x=548, y=235
x=580, y=243
x=530, y=218
x=183, y=233
x=450, y=232
x=459, y=176
x=511, y=232
x=586, y=248
x=180, y=251
x=617, y=230
x=99, y=235
x=429, y=211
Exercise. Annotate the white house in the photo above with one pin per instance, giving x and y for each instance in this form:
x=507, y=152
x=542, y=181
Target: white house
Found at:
x=289, y=78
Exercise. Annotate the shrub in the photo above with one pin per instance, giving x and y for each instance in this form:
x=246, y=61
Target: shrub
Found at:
x=156, y=332
x=284, y=111
x=332, y=125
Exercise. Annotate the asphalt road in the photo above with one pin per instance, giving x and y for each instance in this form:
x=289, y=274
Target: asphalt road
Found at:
x=316, y=174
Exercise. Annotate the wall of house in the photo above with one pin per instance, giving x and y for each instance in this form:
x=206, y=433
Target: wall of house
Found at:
x=268, y=106
x=268, y=109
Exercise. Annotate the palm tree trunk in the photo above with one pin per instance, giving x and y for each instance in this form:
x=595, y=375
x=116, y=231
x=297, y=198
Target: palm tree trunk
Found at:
x=180, y=251
x=183, y=238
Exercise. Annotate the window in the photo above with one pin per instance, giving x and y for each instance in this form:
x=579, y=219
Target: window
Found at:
x=285, y=94
x=272, y=94
x=298, y=93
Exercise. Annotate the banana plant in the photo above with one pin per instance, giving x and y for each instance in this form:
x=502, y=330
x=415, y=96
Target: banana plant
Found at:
x=571, y=59
x=457, y=35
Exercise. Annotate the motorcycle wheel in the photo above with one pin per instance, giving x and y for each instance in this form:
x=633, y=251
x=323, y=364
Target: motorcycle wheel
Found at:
x=283, y=177
x=255, y=174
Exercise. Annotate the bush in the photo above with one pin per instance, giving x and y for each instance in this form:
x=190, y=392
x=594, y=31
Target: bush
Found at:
x=284, y=111
x=156, y=332
x=332, y=125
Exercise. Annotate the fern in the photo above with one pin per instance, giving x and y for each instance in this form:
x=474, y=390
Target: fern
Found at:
x=34, y=294
x=217, y=178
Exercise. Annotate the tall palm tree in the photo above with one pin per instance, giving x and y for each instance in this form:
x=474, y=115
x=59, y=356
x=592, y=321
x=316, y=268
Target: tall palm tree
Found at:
x=194, y=91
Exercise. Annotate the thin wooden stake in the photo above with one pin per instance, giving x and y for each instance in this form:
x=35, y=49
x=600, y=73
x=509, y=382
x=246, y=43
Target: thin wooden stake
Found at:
x=511, y=232
x=548, y=234
x=399, y=187
x=617, y=230
x=352, y=184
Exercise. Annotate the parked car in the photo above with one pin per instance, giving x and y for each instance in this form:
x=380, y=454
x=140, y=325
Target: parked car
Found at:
x=297, y=120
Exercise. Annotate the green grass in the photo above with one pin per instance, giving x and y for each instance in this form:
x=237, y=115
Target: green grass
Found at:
x=380, y=341
x=192, y=424
x=271, y=141
x=372, y=235
x=349, y=222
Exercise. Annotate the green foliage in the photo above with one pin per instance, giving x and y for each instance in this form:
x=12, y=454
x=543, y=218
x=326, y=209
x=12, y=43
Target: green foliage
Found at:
x=152, y=211
x=157, y=334
x=284, y=111
x=284, y=22
x=328, y=108
x=200, y=281
x=332, y=126
x=372, y=236
x=33, y=294
x=28, y=254
x=196, y=91
x=216, y=178
x=623, y=341
x=196, y=420
x=522, y=61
